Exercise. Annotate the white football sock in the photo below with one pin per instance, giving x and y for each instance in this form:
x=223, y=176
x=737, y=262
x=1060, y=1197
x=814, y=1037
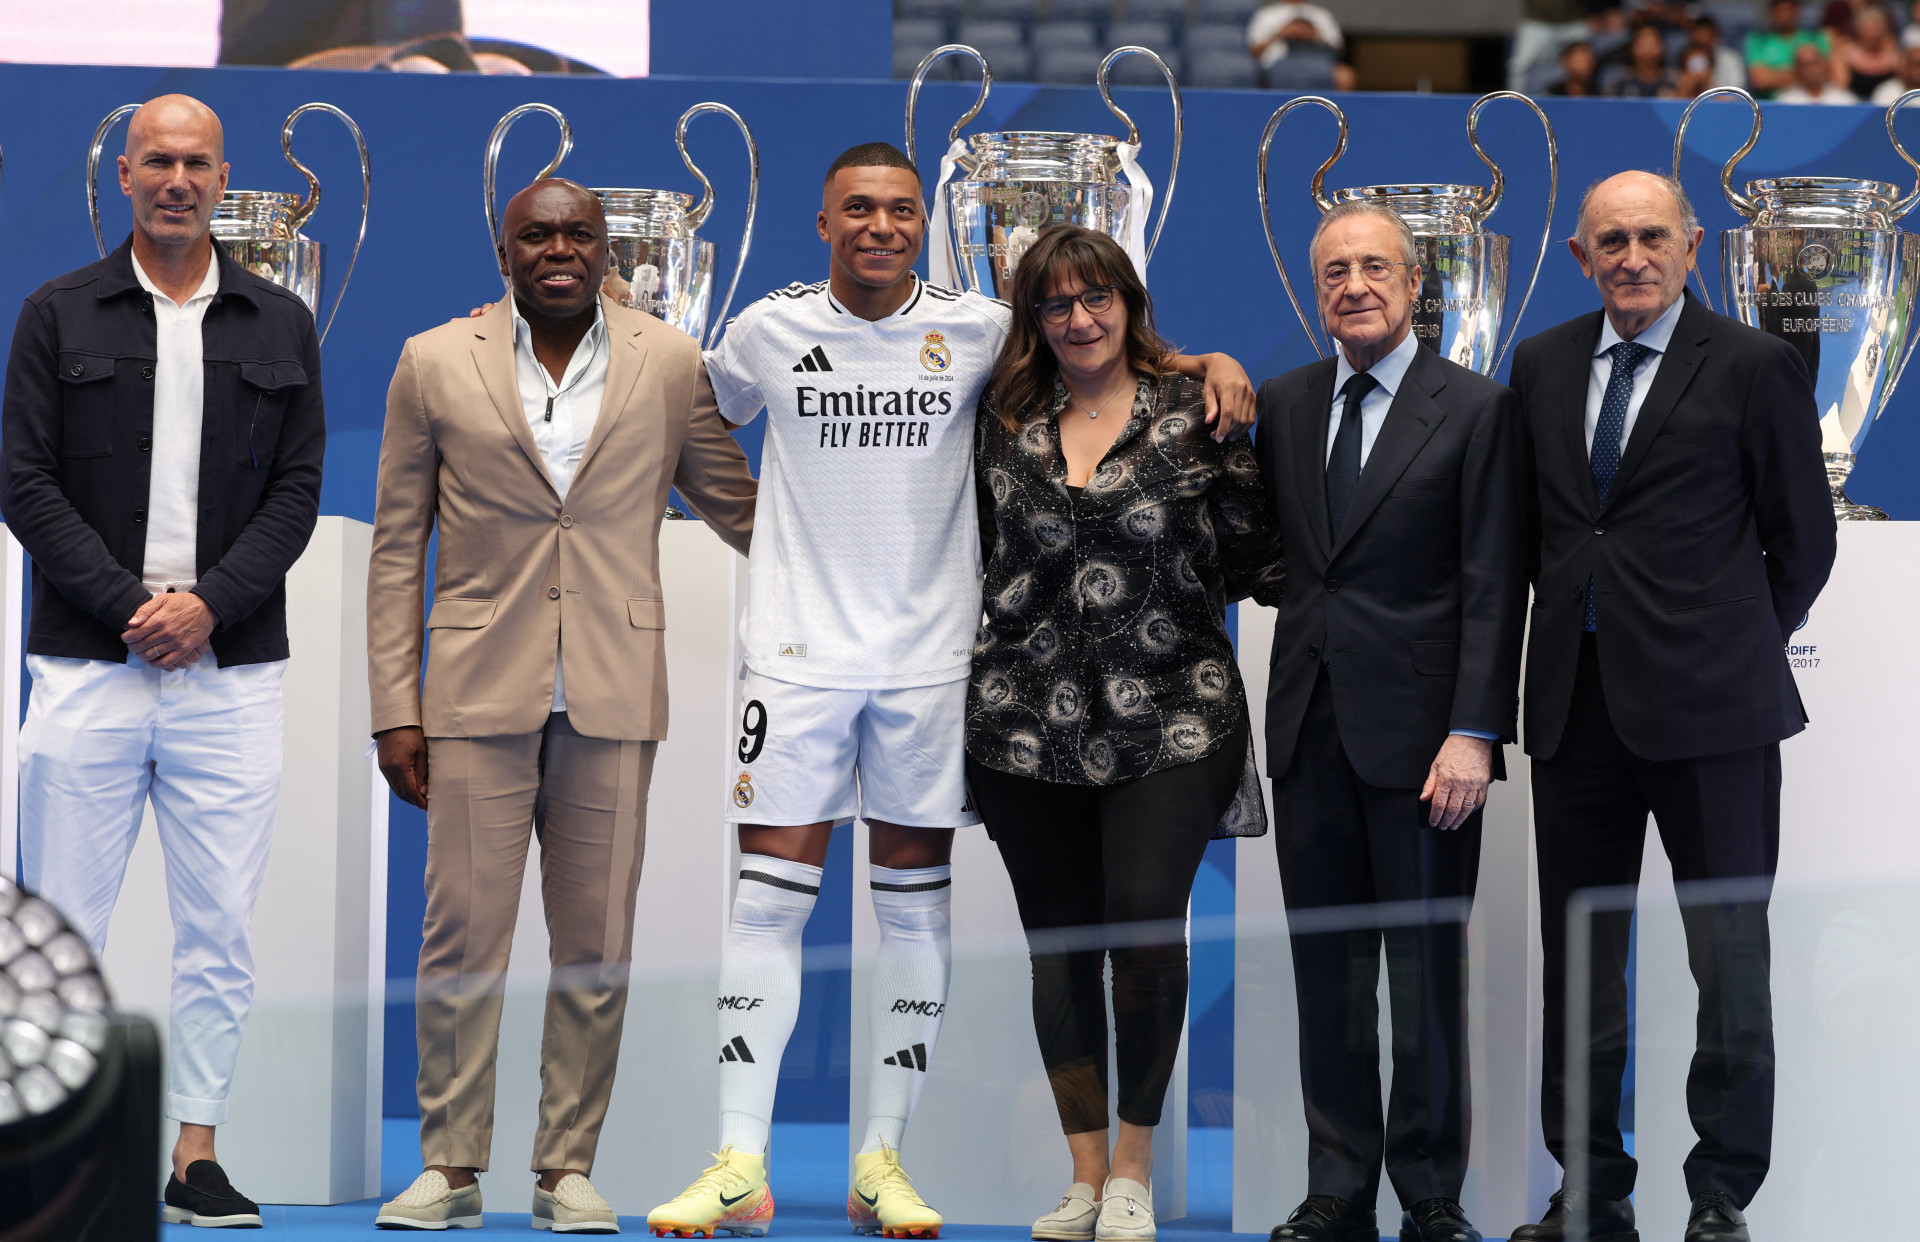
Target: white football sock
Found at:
x=760, y=992
x=910, y=975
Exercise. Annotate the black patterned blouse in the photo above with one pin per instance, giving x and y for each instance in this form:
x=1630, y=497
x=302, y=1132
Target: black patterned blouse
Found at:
x=1105, y=656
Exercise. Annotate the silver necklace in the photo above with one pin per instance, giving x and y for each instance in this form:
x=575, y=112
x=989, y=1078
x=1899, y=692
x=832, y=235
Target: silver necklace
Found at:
x=1091, y=412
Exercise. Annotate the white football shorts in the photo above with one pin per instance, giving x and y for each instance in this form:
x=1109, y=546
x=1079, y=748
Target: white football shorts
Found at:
x=804, y=755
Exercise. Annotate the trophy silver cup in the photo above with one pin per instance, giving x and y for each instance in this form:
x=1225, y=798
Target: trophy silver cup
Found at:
x=656, y=260
x=1014, y=184
x=261, y=228
x=1821, y=266
x=1463, y=288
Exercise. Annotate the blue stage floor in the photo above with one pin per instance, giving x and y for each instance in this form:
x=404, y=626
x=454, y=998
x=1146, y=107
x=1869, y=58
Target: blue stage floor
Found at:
x=811, y=1193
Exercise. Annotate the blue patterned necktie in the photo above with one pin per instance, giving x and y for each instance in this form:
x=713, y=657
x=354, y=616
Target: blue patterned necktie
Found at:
x=1605, y=457
x=1343, y=462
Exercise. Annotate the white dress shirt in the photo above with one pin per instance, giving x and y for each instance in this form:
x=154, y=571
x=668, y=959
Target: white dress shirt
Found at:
x=1656, y=338
x=179, y=394
x=561, y=415
x=1390, y=371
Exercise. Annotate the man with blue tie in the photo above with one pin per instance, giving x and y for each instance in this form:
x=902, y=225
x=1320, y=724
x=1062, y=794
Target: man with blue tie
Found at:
x=1394, y=479
x=1679, y=529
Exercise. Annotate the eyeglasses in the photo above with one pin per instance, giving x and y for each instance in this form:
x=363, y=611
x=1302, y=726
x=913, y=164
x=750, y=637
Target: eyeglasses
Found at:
x=1096, y=298
x=1376, y=272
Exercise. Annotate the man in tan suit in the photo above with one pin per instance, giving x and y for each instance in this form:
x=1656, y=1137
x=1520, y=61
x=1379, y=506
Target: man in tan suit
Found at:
x=541, y=438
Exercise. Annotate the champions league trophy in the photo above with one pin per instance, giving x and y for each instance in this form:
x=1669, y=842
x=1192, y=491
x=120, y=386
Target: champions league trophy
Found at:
x=1463, y=288
x=656, y=260
x=1821, y=266
x=261, y=228
x=1014, y=184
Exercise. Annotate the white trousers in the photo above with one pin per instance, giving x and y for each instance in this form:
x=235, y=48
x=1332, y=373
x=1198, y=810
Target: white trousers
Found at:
x=204, y=744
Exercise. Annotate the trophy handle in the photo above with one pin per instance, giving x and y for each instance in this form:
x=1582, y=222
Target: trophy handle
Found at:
x=1489, y=199
x=697, y=215
x=1499, y=186
x=920, y=76
x=1738, y=201
x=312, y=204
x=490, y=172
x=1905, y=205
x=1319, y=195
x=113, y=118
x=1133, y=132
x=953, y=135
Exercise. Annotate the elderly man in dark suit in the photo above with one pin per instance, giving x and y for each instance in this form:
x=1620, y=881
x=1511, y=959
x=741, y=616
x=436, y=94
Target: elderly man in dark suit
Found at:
x=1680, y=527
x=1395, y=479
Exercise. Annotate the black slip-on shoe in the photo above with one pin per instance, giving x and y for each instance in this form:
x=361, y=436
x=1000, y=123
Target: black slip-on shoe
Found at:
x=208, y=1199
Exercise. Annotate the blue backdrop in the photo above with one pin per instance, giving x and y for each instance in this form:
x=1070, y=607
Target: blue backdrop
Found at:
x=427, y=258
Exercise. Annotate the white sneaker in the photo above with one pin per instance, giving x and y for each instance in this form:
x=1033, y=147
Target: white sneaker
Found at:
x=573, y=1206
x=1126, y=1212
x=431, y=1204
x=1073, y=1220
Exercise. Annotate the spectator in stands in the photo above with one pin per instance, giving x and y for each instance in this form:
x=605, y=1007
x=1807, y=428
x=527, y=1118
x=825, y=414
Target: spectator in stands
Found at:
x=1770, y=52
x=1872, y=55
x=1645, y=75
x=1549, y=27
x=1813, y=80
x=1709, y=61
x=1838, y=17
x=1910, y=36
x=1900, y=83
x=1276, y=30
x=1577, y=70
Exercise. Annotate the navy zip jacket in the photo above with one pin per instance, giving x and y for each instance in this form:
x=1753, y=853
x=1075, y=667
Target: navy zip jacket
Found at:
x=76, y=439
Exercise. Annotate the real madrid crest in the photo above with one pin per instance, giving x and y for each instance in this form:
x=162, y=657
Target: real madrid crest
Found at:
x=934, y=355
x=743, y=791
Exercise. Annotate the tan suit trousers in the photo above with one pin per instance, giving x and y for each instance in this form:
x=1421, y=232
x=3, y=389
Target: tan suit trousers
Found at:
x=585, y=799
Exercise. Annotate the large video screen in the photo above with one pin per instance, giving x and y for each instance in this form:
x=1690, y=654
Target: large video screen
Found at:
x=401, y=36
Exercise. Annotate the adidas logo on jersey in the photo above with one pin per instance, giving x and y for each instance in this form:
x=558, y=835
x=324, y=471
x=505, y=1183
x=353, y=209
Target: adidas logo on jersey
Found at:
x=914, y=1059
x=735, y=1050
x=814, y=360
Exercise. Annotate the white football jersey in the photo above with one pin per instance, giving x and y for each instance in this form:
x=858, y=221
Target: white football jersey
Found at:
x=865, y=567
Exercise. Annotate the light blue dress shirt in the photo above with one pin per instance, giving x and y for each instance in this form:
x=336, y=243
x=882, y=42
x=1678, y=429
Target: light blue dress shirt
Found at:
x=1657, y=337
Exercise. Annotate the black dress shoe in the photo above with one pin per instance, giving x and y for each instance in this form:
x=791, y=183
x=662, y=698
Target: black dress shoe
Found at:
x=1436, y=1220
x=208, y=1199
x=1328, y=1218
x=1715, y=1218
x=1608, y=1220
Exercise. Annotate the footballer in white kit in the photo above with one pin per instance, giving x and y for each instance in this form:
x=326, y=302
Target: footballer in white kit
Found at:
x=863, y=600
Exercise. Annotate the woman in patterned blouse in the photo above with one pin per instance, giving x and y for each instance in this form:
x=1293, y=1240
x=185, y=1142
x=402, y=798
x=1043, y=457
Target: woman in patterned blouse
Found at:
x=1107, y=736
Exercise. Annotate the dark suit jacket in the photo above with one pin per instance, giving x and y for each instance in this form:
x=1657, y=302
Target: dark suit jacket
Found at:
x=1717, y=534
x=1420, y=599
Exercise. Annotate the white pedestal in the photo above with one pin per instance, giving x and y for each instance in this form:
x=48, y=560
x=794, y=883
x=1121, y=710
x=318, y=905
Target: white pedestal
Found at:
x=665, y=1103
x=304, y=1125
x=1845, y=921
x=1509, y=1173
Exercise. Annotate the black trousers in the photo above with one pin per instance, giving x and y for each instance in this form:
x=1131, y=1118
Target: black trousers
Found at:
x=1346, y=844
x=1101, y=870
x=1719, y=820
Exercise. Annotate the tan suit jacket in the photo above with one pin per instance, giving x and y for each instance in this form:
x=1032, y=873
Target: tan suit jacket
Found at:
x=516, y=568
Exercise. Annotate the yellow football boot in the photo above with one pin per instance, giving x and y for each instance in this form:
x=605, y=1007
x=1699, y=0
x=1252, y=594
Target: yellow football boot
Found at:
x=731, y=1197
x=883, y=1199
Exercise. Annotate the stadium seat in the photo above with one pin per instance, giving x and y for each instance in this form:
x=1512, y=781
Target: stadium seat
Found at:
x=1069, y=66
x=1099, y=12
x=1156, y=35
x=923, y=33
x=1227, y=11
x=982, y=34
x=1210, y=38
x=1222, y=69
x=1023, y=12
x=1302, y=69
x=1173, y=12
x=1052, y=35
